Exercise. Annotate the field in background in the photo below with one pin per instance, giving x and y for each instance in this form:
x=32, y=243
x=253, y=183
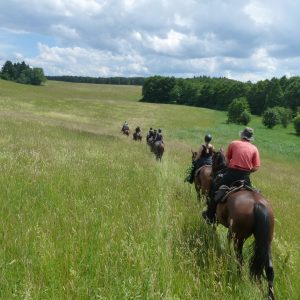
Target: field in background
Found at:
x=86, y=213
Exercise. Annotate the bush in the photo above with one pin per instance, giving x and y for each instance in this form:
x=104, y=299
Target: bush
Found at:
x=297, y=124
x=285, y=115
x=271, y=117
x=238, y=111
x=245, y=117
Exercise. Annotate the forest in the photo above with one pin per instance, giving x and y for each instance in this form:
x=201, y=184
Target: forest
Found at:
x=218, y=93
x=22, y=73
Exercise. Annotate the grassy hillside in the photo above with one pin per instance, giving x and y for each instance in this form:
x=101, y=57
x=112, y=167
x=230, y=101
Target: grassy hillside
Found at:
x=86, y=213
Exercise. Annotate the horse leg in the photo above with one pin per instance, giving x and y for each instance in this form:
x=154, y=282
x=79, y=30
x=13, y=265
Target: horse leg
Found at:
x=270, y=276
x=238, y=247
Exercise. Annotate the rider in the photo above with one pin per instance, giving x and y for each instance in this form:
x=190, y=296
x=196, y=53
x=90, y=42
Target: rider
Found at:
x=203, y=157
x=154, y=136
x=138, y=129
x=150, y=134
x=242, y=159
x=159, y=137
x=125, y=126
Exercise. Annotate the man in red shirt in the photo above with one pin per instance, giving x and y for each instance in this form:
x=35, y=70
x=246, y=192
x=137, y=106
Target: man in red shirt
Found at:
x=242, y=159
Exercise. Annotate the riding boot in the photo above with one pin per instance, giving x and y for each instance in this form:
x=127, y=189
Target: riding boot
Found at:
x=210, y=214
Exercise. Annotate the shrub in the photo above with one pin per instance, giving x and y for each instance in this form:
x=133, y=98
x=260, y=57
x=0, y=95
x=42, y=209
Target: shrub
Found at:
x=245, y=117
x=238, y=111
x=285, y=115
x=297, y=124
x=270, y=118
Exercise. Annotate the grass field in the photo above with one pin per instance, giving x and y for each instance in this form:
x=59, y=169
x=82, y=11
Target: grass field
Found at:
x=86, y=213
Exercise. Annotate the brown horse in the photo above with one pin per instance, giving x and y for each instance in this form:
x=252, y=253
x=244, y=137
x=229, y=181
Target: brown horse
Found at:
x=125, y=131
x=158, y=149
x=137, y=136
x=202, y=179
x=244, y=213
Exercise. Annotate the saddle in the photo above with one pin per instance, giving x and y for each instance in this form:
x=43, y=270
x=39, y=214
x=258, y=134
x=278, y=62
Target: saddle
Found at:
x=225, y=191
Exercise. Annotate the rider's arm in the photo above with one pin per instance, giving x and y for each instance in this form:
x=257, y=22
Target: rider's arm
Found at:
x=255, y=161
x=254, y=169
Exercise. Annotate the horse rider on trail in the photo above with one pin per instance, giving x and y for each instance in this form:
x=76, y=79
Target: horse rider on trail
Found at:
x=154, y=137
x=242, y=159
x=150, y=134
x=159, y=137
x=125, y=126
x=203, y=157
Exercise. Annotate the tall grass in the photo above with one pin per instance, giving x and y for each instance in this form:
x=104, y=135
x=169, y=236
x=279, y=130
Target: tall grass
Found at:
x=86, y=213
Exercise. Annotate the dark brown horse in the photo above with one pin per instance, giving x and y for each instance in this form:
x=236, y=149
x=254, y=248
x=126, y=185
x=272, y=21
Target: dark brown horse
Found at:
x=125, y=131
x=244, y=213
x=137, y=136
x=158, y=149
x=202, y=179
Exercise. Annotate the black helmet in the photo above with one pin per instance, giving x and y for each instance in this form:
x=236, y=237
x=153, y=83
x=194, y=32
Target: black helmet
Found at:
x=151, y=128
x=159, y=130
x=207, y=138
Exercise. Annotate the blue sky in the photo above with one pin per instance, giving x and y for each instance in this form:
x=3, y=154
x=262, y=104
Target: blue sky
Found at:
x=239, y=39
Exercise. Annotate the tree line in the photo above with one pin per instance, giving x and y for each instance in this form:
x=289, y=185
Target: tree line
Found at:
x=22, y=73
x=100, y=80
x=276, y=100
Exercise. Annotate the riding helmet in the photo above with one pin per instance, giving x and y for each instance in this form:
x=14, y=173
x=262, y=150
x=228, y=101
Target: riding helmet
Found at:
x=207, y=138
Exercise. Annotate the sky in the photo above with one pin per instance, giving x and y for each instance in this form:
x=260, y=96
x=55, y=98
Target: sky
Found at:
x=239, y=39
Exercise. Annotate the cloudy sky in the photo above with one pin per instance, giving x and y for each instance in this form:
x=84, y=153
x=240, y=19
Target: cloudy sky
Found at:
x=240, y=39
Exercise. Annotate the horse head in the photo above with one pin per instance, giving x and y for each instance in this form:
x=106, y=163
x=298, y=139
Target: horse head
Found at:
x=218, y=161
x=194, y=154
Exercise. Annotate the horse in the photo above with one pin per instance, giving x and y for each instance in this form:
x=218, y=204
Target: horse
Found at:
x=137, y=136
x=125, y=131
x=202, y=179
x=158, y=149
x=245, y=213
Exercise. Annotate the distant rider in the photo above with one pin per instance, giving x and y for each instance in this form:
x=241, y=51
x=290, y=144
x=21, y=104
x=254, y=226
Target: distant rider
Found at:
x=159, y=137
x=150, y=134
x=125, y=126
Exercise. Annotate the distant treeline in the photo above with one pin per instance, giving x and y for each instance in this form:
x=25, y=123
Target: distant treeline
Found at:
x=22, y=73
x=100, y=80
x=218, y=93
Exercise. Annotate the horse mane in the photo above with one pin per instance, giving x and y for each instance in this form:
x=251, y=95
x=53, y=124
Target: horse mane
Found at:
x=219, y=161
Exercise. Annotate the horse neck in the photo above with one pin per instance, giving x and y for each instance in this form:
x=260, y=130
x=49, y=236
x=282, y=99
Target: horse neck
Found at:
x=216, y=168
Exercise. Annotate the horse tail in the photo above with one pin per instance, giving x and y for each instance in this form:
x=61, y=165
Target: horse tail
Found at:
x=261, y=233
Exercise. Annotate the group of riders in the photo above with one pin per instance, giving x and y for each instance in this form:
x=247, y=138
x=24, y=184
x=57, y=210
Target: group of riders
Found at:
x=242, y=159
x=153, y=136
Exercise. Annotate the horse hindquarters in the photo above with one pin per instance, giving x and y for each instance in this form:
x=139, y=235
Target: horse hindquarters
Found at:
x=158, y=150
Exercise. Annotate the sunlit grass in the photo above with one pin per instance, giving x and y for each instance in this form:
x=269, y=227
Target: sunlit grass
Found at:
x=86, y=213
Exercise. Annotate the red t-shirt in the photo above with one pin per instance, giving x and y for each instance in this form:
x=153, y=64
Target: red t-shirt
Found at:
x=242, y=155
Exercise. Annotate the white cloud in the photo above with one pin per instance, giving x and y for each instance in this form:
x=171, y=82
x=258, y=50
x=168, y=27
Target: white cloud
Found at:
x=168, y=45
x=86, y=62
x=65, y=31
x=260, y=14
x=142, y=37
x=263, y=61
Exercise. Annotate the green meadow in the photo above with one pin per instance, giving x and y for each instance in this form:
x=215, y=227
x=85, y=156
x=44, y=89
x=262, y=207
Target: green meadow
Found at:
x=86, y=213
